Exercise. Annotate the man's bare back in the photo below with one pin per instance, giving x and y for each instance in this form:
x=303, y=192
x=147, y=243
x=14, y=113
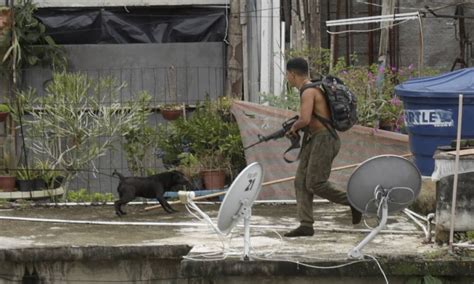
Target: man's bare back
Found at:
x=315, y=97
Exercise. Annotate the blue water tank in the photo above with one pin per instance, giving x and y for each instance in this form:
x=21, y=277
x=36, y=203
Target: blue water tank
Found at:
x=431, y=112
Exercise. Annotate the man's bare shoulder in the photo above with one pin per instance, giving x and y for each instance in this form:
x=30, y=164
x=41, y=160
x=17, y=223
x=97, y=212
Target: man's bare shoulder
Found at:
x=316, y=92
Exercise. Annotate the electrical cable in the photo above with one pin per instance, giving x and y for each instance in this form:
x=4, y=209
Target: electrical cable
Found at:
x=266, y=257
x=226, y=23
x=366, y=31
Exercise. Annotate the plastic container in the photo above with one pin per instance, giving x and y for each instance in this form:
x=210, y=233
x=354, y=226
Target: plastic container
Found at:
x=431, y=112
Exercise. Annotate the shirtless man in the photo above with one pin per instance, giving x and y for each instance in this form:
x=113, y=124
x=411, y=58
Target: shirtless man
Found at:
x=319, y=149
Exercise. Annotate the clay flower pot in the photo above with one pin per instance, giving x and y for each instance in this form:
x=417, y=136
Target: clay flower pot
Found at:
x=7, y=183
x=213, y=179
x=171, y=114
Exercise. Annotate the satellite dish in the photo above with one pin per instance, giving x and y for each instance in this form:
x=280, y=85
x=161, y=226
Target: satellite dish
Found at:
x=238, y=202
x=381, y=185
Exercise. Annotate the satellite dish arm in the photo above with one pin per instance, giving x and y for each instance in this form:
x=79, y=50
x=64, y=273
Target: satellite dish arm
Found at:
x=356, y=251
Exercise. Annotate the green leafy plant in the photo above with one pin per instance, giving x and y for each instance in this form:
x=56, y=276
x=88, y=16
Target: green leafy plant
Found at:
x=377, y=104
x=82, y=195
x=7, y=161
x=171, y=106
x=4, y=108
x=25, y=173
x=210, y=135
x=78, y=121
x=188, y=164
x=290, y=99
x=140, y=140
x=30, y=45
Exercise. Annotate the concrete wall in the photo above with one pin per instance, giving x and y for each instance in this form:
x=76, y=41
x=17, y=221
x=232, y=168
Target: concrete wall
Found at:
x=441, y=46
x=164, y=264
x=439, y=35
x=199, y=69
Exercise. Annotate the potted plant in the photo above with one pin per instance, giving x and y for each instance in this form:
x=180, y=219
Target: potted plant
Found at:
x=172, y=110
x=214, y=166
x=4, y=112
x=47, y=175
x=212, y=139
x=7, y=180
x=27, y=43
x=28, y=179
x=5, y=25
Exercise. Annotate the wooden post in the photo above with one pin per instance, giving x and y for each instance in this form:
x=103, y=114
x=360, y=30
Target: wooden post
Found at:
x=313, y=29
x=245, y=59
x=456, y=170
x=388, y=8
x=263, y=184
x=331, y=54
x=265, y=45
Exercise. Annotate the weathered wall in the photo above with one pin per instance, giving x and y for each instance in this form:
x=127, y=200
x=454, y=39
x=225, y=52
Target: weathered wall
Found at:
x=464, y=203
x=198, y=68
x=440, y=39
x=441, y=46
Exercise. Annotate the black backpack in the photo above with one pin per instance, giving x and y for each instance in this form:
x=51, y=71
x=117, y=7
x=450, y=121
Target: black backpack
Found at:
x=341, y=101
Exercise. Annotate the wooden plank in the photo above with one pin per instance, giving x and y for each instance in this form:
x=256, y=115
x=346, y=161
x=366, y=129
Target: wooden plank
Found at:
x=464, y=152
x=34, y=194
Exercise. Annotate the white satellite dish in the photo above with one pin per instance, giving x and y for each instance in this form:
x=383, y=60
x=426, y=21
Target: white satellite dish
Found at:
x=237, y=203
x=382, y=185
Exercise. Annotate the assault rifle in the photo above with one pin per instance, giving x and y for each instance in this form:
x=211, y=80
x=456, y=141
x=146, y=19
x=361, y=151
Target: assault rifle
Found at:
x=286, y=126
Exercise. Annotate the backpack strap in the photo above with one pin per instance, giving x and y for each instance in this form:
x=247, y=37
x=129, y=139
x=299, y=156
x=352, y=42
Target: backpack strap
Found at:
x=326, y=122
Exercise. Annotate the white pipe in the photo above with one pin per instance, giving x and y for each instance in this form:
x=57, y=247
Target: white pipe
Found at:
x=89, y=222
x=269, y=201
x=427, y=235
x=468, y=246
x=373, y=19
x=456, y=169
x=356, y=251
x=186, y=224
x=406, y=210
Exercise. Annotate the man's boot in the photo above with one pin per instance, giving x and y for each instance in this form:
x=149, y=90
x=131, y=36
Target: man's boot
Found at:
x=301, y=231
x=356, y=216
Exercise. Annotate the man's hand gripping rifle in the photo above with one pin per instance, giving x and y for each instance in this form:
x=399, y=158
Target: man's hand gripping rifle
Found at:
x=286, y=126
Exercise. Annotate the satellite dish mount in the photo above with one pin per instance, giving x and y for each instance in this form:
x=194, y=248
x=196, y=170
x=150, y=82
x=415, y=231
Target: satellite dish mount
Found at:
x=379, y=186
x=237, y=203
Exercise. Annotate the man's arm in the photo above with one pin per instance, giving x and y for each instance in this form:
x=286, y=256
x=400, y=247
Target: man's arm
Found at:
x=306, y=111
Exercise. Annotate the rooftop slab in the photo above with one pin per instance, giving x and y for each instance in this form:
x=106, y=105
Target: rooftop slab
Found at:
x=172, y=237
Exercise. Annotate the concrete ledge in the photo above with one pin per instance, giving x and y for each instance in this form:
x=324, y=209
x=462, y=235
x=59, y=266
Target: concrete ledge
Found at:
x=381, y=133
x=399, y=266
x=96, y=253
x=32, y=194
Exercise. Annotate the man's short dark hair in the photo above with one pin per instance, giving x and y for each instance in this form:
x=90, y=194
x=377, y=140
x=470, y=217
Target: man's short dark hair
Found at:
x=298, y=65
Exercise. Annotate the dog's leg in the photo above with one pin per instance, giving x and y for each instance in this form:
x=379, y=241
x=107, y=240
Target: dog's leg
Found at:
x=124, y=199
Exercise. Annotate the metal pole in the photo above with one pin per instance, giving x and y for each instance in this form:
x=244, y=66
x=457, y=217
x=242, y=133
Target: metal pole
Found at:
x=456, y=168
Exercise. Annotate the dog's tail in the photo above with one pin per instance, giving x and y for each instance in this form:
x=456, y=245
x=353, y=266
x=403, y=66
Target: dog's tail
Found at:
x=115, y=173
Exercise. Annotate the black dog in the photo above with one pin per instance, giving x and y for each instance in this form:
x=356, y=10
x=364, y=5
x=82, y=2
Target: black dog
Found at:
x=148, y=187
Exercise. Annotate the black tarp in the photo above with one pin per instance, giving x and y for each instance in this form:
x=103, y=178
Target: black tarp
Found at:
x=133, y=24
